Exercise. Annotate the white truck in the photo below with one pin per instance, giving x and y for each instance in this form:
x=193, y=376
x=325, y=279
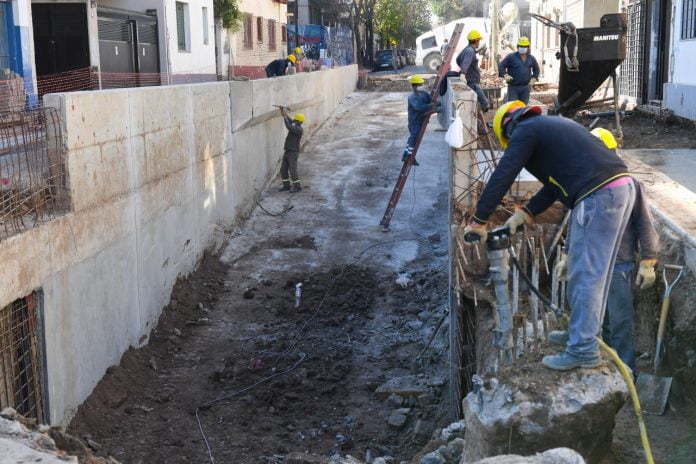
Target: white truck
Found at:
x=428, y=45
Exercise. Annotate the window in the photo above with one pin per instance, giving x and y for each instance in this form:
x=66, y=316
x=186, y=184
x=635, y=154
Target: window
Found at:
x=259, y=29
x=182, y=26
x=428, y=42
x=248, y=31
x=688, y=25
x=284, y=33
x=206, y=37
x=271, y=34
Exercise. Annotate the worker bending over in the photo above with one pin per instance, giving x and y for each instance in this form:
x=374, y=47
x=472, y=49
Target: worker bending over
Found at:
x=420, y=106
x=640, y=234
x=520, y=71
x=280, y=67
x=288, y=168
x=578, y=170
x=469, y=68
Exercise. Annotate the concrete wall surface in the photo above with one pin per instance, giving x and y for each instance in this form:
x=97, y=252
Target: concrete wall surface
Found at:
x=156, y=176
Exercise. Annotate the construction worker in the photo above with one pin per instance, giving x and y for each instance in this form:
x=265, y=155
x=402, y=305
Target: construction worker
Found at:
x=468, y=66
x=279, y=67
x=520, y=71
x=420, y=105
x=443, y=48
x=583, y=174
x=288, y=168
x=640, y=234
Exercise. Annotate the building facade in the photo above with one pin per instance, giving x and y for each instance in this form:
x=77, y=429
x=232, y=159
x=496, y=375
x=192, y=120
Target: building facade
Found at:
x=680, y=85
x=261, y=38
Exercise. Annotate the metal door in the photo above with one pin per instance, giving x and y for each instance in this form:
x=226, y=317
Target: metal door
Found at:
x=128, y=42
x=116, y=44
x=61, y=41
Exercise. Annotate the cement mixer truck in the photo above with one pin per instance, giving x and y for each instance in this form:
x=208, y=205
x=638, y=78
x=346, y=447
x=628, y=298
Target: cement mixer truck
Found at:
x=429, y=45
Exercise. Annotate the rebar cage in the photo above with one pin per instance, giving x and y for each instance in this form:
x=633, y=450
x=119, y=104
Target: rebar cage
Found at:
x=33, y=178
x=22, y=359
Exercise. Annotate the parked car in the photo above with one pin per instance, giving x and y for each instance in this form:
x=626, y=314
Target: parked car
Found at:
x=428, y=44
x=387, y=59
x=403, y=54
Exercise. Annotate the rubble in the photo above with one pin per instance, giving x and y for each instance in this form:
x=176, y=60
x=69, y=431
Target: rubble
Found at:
x=575, y=409
x=554, y=456
x=22, y=440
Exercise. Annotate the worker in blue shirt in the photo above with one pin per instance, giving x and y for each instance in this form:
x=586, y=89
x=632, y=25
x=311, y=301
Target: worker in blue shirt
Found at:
x=577, y=169
x=420, y=106
x=520, y=71
x=469, y=68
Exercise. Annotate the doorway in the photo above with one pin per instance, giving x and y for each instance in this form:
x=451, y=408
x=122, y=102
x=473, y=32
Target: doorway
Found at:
x=61, y=40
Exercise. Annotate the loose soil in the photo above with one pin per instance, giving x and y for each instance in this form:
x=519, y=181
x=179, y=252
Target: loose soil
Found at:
x=268, y=378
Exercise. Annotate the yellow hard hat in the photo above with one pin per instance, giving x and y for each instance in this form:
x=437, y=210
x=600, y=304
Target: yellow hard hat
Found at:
x=299, y=117
x=523, y=42
x=416, y=79
x=473, y=35
x=298, y=51
x=605, y=136
x=499, y=121
x=292, y=58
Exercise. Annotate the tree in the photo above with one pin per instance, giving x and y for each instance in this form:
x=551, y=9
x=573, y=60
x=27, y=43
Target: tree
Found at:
x=362, y=14
x=229, y=12
x=449, y=10
x=401, y=21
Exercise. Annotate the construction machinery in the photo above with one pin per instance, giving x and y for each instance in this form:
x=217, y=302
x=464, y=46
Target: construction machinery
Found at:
x=589, y=56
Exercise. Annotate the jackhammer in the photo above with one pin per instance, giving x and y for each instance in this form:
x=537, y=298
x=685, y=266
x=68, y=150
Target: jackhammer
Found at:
x=500, y=248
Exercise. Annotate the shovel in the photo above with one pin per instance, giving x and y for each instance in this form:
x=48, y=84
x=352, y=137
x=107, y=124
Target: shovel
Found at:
x=652, y=389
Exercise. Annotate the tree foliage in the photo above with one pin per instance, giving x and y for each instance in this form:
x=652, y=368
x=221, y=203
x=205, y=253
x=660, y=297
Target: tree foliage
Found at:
x=449, y=10
x=229, y=12
x=401, y=21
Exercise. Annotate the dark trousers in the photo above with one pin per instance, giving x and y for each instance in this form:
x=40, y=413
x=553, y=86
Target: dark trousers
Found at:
x=518, y=92
x=288, y=168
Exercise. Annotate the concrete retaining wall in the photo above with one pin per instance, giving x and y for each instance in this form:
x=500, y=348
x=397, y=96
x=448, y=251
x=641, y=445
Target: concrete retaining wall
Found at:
x=156, y=176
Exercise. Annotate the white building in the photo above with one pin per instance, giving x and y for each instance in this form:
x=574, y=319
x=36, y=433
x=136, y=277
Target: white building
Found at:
x=123, y=40
x=680, y=88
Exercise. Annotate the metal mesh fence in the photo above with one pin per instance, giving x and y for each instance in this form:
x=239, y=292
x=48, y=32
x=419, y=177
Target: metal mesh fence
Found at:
x=33, y=180
x=21, y=357
x=631, y=78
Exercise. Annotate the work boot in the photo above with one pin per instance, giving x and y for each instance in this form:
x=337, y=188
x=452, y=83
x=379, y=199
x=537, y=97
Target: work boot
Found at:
x=565, y=361
x=296, y=188
x=285, y=187
x=415, y=163
x=558, y=337
x=404, y=156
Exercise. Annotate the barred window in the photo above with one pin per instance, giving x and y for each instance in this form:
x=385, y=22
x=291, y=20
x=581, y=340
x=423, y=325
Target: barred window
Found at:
x=259, y=29
x=248, y=32
x=271, y=34
x=284, y=33
x=181, y=20
x=688, y=26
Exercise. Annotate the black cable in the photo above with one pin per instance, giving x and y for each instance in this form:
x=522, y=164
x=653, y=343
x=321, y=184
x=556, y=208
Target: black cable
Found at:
x=531, y=286
x=274, y=214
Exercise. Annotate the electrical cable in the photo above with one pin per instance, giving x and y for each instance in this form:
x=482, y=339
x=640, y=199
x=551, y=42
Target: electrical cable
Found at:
x=208, y=404
x=274, y=214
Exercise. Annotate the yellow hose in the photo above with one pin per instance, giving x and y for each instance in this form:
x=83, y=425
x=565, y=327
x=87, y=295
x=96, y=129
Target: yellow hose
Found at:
x=634, y=397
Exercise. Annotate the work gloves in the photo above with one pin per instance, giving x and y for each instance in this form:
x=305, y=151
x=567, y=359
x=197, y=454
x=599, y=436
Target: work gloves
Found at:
x=518, y=219
x=508, y=78
x=533, y=81
x=561, y=269
x=476, y=229
x=645, y=278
